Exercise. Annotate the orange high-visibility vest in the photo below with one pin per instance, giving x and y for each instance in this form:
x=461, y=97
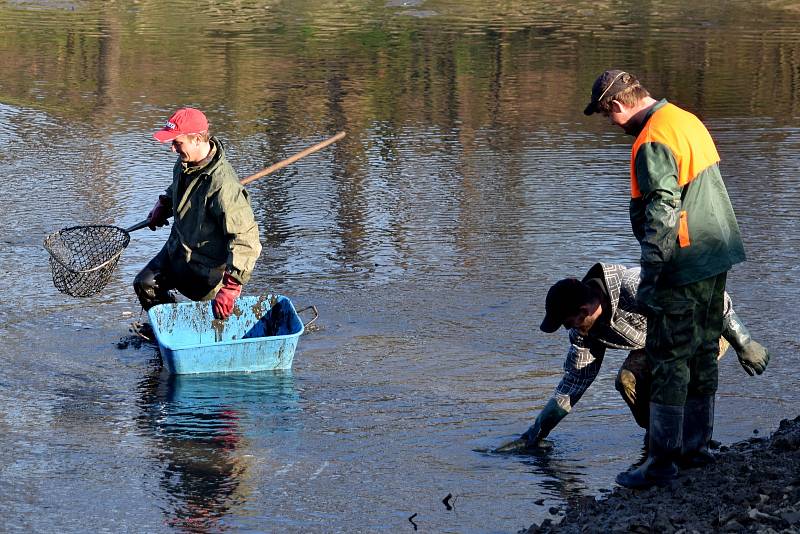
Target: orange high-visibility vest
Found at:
x=687, y=138
x=691, y=146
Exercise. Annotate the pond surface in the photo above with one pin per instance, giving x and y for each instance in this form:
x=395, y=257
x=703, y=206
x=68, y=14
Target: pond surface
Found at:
x=469, y=181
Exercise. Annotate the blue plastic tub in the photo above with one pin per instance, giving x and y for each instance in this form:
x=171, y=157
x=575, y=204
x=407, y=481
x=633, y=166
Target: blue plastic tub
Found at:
x=261, y=334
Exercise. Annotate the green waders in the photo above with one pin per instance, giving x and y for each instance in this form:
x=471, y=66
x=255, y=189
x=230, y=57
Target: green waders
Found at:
x=683, y=332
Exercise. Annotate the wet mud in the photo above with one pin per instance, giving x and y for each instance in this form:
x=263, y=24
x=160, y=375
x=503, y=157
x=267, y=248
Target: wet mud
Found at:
x=753, y=487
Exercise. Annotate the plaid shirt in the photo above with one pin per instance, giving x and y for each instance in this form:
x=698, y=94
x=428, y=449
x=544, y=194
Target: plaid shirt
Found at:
x=626, y=330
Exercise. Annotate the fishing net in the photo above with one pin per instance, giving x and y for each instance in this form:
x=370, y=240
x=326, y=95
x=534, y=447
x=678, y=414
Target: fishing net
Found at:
x=82, y=258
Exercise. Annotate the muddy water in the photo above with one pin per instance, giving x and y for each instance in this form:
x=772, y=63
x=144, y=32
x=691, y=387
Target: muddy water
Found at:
x=469, y=182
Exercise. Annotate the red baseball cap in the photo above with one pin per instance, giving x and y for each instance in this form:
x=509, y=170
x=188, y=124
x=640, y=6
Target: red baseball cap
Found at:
x=182, y=122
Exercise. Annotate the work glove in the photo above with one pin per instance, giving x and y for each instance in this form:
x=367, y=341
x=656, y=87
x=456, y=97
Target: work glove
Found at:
x=223, y=302
x=160, y=213
x=532, y=440
x=753, y=356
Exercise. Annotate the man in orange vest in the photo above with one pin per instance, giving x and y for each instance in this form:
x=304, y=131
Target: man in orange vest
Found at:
x=683, y=219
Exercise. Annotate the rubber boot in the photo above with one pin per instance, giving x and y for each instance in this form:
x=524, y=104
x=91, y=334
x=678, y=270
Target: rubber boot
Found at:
x=698, y=425
x=147, y=288
x=753, y=356
x=666, y=437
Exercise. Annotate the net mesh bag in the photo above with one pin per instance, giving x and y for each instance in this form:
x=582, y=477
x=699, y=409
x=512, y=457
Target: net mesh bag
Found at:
x=82, y=258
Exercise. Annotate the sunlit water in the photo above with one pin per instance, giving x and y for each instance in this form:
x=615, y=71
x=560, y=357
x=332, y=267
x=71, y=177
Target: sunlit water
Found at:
x=469, y=181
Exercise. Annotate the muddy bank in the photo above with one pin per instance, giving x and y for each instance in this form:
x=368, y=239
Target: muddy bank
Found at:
x=753, y=487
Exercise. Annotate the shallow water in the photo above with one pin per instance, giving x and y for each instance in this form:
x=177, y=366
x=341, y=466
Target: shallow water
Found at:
x=469, y=181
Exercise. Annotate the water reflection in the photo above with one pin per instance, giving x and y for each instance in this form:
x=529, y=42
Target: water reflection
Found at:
x=468, y=181
x=209, y=433
x=562, y=478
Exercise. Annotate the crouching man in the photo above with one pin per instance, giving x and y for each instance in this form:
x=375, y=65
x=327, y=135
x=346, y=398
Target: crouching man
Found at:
x=600, y=312
x=214, y=242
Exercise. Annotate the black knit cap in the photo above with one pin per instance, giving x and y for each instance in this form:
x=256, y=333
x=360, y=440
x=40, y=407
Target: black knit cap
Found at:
x=609, y=83
x=564, y=299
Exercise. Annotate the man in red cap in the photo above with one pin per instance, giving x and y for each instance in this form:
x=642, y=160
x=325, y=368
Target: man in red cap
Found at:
x=214, y=242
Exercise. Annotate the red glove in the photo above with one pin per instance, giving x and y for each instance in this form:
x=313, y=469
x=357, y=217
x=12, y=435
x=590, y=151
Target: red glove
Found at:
x=160, y=213
x=226, y=296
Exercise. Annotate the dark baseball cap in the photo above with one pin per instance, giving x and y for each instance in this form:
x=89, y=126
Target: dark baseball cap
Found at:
x=564, y=299
x=610, y=82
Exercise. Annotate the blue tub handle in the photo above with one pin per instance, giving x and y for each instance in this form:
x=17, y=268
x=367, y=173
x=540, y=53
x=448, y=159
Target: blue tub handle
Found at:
x=312, y=308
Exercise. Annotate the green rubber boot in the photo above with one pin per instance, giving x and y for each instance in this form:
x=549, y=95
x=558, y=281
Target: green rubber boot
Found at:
x=666, y=438
x=698, y=425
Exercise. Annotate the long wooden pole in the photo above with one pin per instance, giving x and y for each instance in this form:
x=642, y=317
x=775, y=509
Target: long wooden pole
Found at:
x=292, y=159
x=268, y=170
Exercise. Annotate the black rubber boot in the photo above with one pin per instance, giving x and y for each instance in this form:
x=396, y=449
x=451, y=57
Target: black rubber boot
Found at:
x=149, y=290
x=666, y=437
x=698, y=425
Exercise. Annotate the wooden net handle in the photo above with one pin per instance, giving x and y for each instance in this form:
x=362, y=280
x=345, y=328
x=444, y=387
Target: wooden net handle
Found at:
x=292, y=159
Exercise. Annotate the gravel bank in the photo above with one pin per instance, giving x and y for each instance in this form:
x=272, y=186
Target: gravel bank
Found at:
x=753, y=487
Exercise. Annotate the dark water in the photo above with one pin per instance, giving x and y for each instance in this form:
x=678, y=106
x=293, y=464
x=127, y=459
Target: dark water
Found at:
x=469, y=181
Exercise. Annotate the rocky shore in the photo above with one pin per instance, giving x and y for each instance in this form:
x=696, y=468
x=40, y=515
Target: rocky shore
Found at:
x=753, y=487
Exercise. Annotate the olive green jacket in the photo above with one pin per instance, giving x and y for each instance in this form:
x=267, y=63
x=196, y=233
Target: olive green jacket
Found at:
x=680, y=211
x=214, y=229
